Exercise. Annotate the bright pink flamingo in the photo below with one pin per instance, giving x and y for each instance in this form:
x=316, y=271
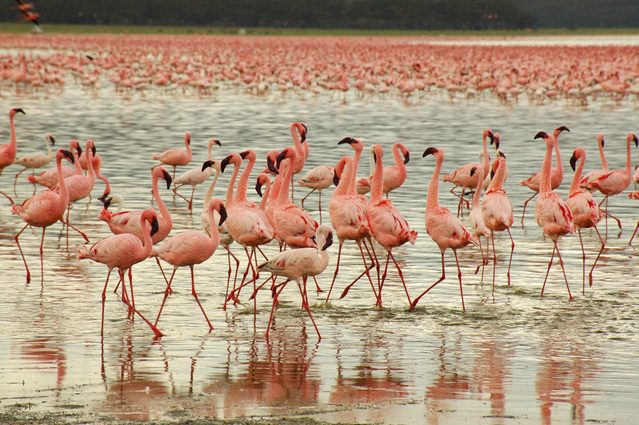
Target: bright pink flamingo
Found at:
x=128, y=221
x=298, y=132
x=388, y=226
x=585, y=211
x=557, y=174
x=461, y=176
x=319, y=178
x=49, y=178
x=497, y=211
x=298, y=265
x=394, y=175
x=553, y=214
x=633, y=195
x=190, y=248
x=616, y=181
x=8, y=151
x=348, y=217
x=44, y=209
x=196, y=176
x=176, y=156
x=444, y=228
x=123, y=252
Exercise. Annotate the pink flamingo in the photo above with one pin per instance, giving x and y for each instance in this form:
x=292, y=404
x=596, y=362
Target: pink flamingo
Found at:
x=497, y=211
x=319, y=178
x=8, y=151
x=444, y=228
x=616, y=181
x=394, y=175
x=633, y=195
x=123, y=252
x=588, y=178
x=298, y=132
x=44, y=209
x=35, y=160
x=347, y=211
x=557, y=173
x=585, y=211
x=176, y=156
x=190, y=248
x=388, y=226
x=461, y=176
x=553, y=214
x=128, y=222
x=476, y=220
x=196, y=176
x=298, y=265
x=49, y=178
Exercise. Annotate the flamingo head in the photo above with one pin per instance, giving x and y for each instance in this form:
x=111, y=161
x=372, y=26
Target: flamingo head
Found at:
x=233, y=158
x=250, y=154
x=496, y=140
x=49, y=138
x=324, y=237
x=187, y=138
x=577, y=154
x=212, y=164
x=157, y=172
x=302, y=130
x=633, y=137
x=378, y=152
x=431, y=151
x=214, y=142
x=473, y=171
x=499, y=162
x=90, y=145
x=339, y=169
x=288, y=153
x=600, y=140
x=218, y=205
x=271, y=158
x=63, y=153
x=74, y=145
x=541, y=135
x=154, y=224
x=489, y=133
x=560, y=130
x=356, y=144
x=14, y=111
x=262, y=179
x=501, y=153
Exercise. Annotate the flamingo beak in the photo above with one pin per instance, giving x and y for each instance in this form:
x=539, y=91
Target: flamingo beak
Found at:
x=491, y=135
x=222, y=214
x=93, y=150
x=207, y=164
x=52, y=140
x=472, y=171
x=429, y=151
x=258, y=188
x=154, y=226
x=564, y=128
x=335, y=178
x=225, y=162
x=348, y=140
x=217, y=142
x=406, y=157
x=329, y=241
x=603, y=142
x=271, y=166
x=281, y=157
x=69, y=155
x=19, y=110
x=573, y=161
x=503, y=155
x=634, y=138
x=244, y=154
x=107, y=203
x=541, y=135
x=79, y=150
x=168, y=178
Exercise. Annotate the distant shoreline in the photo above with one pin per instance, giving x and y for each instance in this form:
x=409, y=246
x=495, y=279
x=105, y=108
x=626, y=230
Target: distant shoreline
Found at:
x=25, y=28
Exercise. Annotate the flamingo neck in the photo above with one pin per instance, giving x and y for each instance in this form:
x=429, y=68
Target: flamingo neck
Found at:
x=64, y=192
x=574, y=186
x=432, y=199
x=187, y=143
x=266, y=195
x=377, y=185
x=164, y=211
x=147, y=241
x=282, y=196
x=242, y=185
x=628, y=159
x=486, y=161
x=209, y=193
x=297, y=141
x=275, y=190
x=49, y=151
x=229, y=191
x=477, y=195
x=343, y=187
x=558, y=163
x=602, y=156
x=12, y=142
x=214, y=232
x=78, y=167
x=90, y=170
x=497, y=182
x=209, y=151
x=545, y=184
x=353, y=176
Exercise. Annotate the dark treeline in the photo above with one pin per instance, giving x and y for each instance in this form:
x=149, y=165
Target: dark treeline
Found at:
x=364, y=14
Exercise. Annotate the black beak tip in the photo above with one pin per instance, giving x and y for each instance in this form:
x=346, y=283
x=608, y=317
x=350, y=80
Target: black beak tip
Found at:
x=244, y=154
x=429, y=151
x=258, y=189
x=573, y=162
x=541, y=135
x=154, y=226
x=224, y=163
x=472, y=171
x=335, y=179
x=168, y=178
x=207, y=164
x=348, y=140
x=20, y=110
x=407, y=158
x=222, y=215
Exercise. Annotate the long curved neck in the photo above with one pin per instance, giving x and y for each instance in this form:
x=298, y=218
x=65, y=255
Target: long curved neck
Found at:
x=147, y=241
x=628, y=159
x=161, y=205
x=64, y=192
x=432, y=199
x=275, y=190
x=214, y=232
x=545, y=185
x=344, y=185
x=477, y=195
x=558, y=164
x=209, y=193
x=187, y=143
x=209, y=151
x=49, y=151
x=265, y=195
x=377, y=184
x=12, y=142
x=90, y=170
x=229, y=191
x=353, y=177
x=78, y=167
x=398, y=157
x=97, y=168
x=242, y=185
x=497, y=182
x=486, y=161
x=574, y=186
x=282, y=196
x=602, y=156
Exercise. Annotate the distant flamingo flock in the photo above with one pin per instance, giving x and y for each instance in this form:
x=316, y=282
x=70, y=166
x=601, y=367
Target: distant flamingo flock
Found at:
x=405, y=66
x=374, y=224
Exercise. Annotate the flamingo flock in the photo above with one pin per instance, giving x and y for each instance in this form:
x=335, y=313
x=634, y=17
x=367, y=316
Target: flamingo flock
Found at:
x=375, y=223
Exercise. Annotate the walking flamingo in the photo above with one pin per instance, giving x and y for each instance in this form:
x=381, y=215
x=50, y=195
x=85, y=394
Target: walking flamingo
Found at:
x=616, y=181
x=552, y=213
x=633, y=195
x=128, y=222
x=319, y=178
x=196, y=176
x=35, y=160
x=444, y=228
x=190, y=248
x=394, y=175
x=557, y=174
x=497, y=211
x=49, y=178
x=388, y=226
x=588, y=178
x=8, y=151
x=585, y=211
x=176, y=156
x=123, y=251
x=298, y=265
x=44, y=209
x=461, y=176
x=476, y=220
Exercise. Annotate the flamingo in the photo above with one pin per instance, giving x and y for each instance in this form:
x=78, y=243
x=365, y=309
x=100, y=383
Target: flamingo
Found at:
x=461, y=176
x=196, y=176
x=36, y=160
x=552, y=213
x=585, y=211
x=588, y=178
x=318, y=178
x=127, y=221
x=497, y=211
x=394, y=175
x=388, y=226
x=298, y=265
x=298, y=132
x=44, y=209
x=49, y=178
x=123, y=251
x=9, y=150
x=444, y=228
x=190, y=248
x=635, y=176
x=633, y=195
x=176, y=156
x=557, y=173
x=616, y=181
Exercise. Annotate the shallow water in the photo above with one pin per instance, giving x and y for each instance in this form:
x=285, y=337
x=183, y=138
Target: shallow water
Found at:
x=513, y=357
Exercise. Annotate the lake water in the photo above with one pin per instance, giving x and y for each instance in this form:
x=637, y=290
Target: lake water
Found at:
x=513, y=357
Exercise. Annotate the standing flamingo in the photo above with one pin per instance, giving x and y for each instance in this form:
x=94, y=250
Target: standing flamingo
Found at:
x=298, y=265
x=388, y=226
x=298, y=132
x=123, y=252
x=44, y=209
x=444, y=228
x=319, y=178
x=585, y=211
x=190, y=248
x=196, y=176
x=557, y=174
x=49, y=178
x=497, y=211
x=35, y=160
x=633, y=195
x=9, y=150
x=553, y=214
x=394, y=175
x=588, y=178
x=476, y=219
x=176, y=156
x=616, y=181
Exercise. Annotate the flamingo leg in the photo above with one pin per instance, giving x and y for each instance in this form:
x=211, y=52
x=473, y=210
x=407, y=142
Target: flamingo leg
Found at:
x=492, y=238
x=194, y=292
x=157, y=260
x=461, y=198
x=304, y=295
x=155, y=330
x=381, y=286
x=167, y=291
x=583, y=263
x=68, y=211
x=106, y=282
x=261, y=252
x=523, y=214
x=339, y=256
x=191, y=201
x=86, y=239
x=307, y=195
x=401, y=276
x=275, y=296
x=373, y=257
x=442, y=277
x=603, y=245
x=606, y=212
x=633, y=234
x=548, y=270
x=616, y=219
x=563, y=270
x=459, y=276
x=16, y=238
x=483, y=260
x=320, y=205
x=512, y=250
x=254, y=294
x=42, y=256
x=8, y=197
x=15, y=181
x=366, y=271
x=317, y=287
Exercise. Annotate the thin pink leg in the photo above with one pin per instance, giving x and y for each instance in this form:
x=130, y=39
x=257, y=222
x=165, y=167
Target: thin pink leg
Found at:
x=317, y=287
x=634, y=233
x=366, y=271
x=84, y=236
x=339, y=256
x=442, y=277
x=68, y=211
x=401, y=276
x=583, y=263
x=492, y=238
x=155, y=330
x=523, y=214
x=381, y=286
x=563, y=270
x=603, y=246
x=548, y=271
x=194, y=292
x=459, y=276
x=167, y=291
x=16, y=238
x=275, y=296
x=42, y=256
x=307, y=195
x=512, y=250
x=304, y=295
x=106, y=282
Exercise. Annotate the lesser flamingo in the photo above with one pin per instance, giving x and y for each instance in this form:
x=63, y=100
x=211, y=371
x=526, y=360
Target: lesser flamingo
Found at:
x=196, y=176
x=35, y=160
x=394, y=175
x=176, y=156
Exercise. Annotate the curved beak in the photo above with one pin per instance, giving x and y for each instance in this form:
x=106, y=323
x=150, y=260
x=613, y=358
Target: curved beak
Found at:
x=107, y=202
x=335, y=178
x=281, y=157
x=563, y=128
x=207, y=164
x=329, y=241
x=222, y=215
x=634, y=138
x=271, y=166
x=79, y=150
x=258, y=188
x=429, y=151
x=154, y=226
x=93, y=150
x=217, y=142
x=541, y=135
x=104, y=195
x=472, y=171
x=491, y=135
x=573, y=161
x=348, y=140
x=225, y=162
x=244, y=154
x=69, y=155
x=20, y=110
x=168, y=178
x=406, y=157
x=52, y=140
